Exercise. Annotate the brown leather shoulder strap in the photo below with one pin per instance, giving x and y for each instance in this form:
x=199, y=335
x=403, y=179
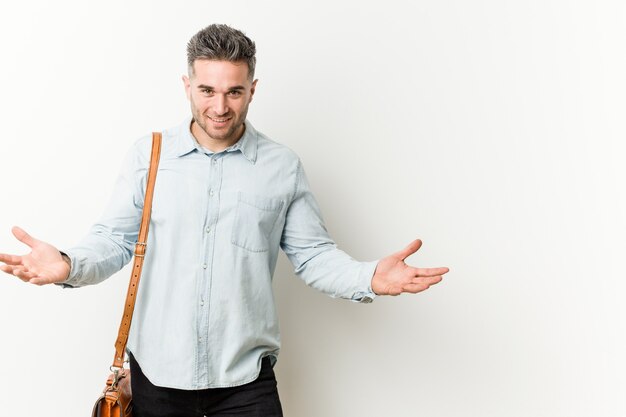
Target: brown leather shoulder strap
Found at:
x=140, y=251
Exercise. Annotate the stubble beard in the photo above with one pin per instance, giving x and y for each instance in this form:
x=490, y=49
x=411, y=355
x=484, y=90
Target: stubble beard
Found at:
x=200, y=120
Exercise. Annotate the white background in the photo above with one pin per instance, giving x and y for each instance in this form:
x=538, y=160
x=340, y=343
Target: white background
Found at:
x=491, y=129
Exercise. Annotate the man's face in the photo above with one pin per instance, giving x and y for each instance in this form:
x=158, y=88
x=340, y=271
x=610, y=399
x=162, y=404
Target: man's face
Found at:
x=219, y=93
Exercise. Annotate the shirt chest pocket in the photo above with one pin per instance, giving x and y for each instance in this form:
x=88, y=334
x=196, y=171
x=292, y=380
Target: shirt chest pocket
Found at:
x=254, y=220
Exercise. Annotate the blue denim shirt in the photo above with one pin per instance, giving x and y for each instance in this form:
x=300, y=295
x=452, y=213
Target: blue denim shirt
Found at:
x=205, y=313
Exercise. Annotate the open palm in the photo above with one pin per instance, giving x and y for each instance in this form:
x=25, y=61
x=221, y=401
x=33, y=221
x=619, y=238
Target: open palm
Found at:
x=394, y=277
x=43, y=265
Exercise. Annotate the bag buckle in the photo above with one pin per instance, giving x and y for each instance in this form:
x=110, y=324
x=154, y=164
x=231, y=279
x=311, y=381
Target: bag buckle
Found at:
x=140, y=249
x=116, y=376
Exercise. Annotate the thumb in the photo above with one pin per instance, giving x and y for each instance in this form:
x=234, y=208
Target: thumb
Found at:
x=23, y=237
x=409, y=250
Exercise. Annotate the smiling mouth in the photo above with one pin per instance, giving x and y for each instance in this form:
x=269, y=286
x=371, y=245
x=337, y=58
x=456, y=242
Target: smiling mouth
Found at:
x=220, y=120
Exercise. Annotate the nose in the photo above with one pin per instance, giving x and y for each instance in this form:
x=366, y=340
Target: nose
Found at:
x=219, y=105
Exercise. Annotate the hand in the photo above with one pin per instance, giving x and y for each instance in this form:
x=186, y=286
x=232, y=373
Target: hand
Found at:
x=43, y=265
x=393, y=276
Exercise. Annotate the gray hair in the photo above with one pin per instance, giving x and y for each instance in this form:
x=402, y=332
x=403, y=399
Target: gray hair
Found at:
x=223, y=43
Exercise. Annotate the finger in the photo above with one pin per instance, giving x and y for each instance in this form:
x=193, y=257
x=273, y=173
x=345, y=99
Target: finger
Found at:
x=421, y=284
x=429, y=272
x=409, y=250
x=414, y=288
x=10, y=259
x=10, y=269
x=7, y=268
x=427, y=280
x=22, y=274
x=23, y=237
x=39, y=281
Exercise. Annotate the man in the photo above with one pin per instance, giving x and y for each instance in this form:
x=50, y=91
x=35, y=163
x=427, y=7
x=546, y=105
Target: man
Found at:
x=205, y=336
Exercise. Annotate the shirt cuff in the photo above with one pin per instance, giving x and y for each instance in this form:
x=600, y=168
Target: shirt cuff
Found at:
x=70, y=282
x=367, y=295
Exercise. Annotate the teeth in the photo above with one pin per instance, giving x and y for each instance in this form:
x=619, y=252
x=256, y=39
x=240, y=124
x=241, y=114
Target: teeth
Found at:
x=218, y=120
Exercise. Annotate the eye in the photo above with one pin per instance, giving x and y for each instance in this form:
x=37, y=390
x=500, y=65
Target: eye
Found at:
x=206, y=91
x=234, y=93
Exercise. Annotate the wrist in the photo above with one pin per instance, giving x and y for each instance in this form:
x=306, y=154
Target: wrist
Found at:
x=68, y=261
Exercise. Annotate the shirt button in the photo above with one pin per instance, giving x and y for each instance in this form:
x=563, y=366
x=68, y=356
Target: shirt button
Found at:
x=211, y=192
x=208, y=230
x=201, y=303
x=204, y=266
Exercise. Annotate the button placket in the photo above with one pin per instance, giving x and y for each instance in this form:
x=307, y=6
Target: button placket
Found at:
x=213, y=186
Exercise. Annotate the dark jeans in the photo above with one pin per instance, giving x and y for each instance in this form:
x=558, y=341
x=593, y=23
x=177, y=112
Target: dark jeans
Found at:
x=258, y=398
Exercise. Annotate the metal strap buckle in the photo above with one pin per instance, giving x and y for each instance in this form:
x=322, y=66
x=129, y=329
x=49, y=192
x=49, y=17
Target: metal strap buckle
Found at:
x=140, y=255
x=116, y=376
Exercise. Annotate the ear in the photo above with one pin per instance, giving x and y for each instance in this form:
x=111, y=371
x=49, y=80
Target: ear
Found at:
x=252, y=89
x=187, y=84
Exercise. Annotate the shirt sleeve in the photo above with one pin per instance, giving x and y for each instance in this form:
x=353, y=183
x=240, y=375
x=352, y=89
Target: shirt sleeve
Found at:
x=315, y=256
x=110, y=242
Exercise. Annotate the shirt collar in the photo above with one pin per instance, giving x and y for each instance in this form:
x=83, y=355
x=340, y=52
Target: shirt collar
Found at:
x=247, y=144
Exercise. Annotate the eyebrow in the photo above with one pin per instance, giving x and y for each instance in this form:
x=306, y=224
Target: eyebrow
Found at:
x=234, y=88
